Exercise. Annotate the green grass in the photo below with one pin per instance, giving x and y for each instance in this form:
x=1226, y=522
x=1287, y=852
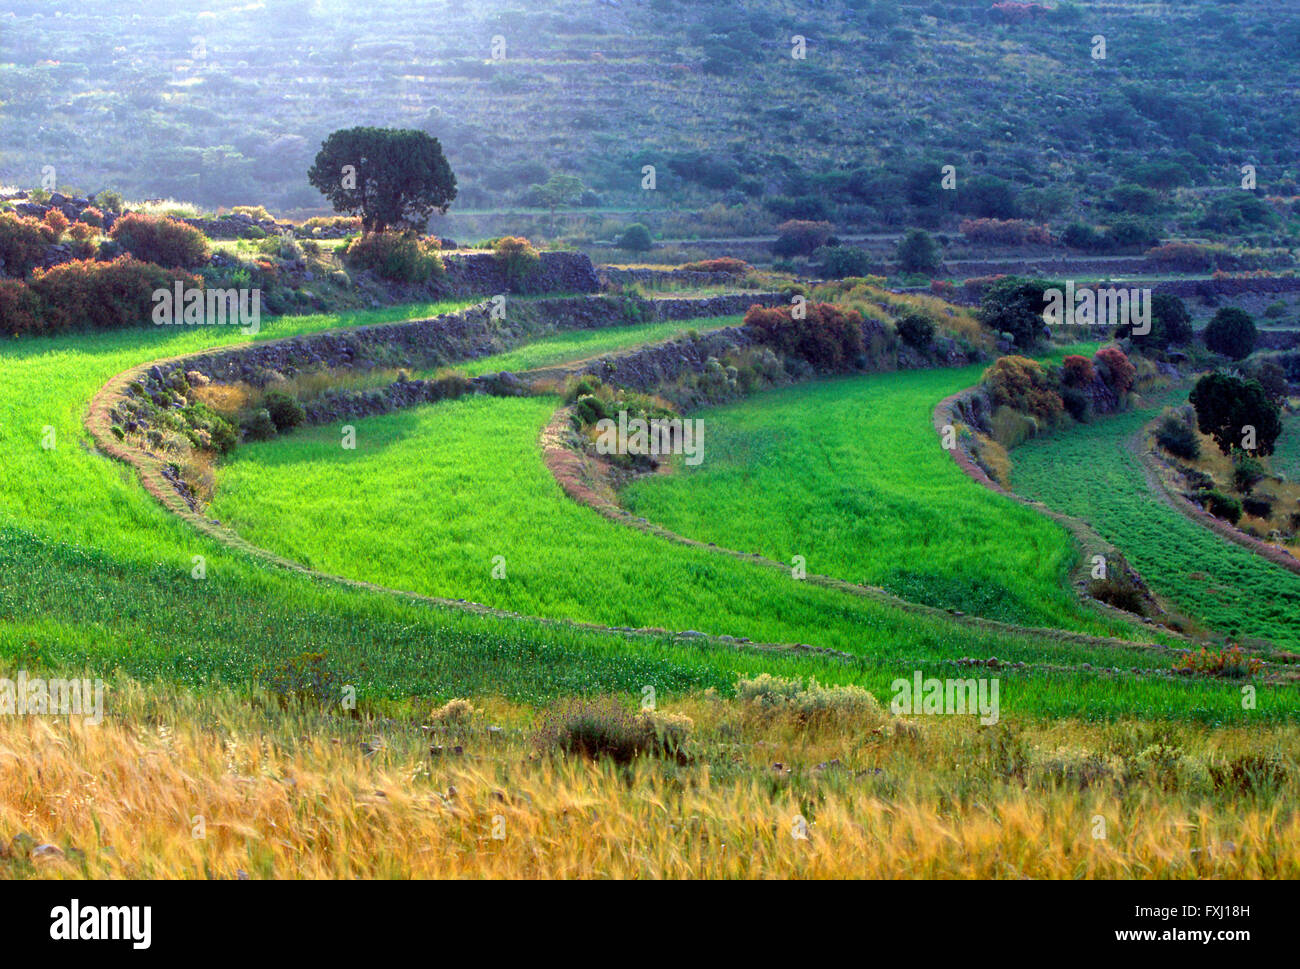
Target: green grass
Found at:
x=850, y=475
x=1286, y=459
x=95, y=575
x=575, y=345
x=1087, y=471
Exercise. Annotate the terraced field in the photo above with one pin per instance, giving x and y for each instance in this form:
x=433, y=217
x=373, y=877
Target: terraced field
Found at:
x=849, y=474
x=94, y=574
x=1089, y=472
x=1286, y=459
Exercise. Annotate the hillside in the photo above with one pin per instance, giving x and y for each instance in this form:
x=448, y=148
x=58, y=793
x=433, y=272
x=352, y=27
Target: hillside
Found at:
x=227, y=103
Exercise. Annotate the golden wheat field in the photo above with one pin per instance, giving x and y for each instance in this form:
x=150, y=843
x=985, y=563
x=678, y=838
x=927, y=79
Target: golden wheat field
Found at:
x=208, y=785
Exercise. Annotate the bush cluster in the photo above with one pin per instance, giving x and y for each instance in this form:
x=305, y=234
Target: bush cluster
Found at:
x=400, y=257
x=160, y=240
x=827, y=337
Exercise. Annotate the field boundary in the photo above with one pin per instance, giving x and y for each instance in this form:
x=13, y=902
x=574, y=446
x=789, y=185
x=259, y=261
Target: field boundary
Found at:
x=574, y=473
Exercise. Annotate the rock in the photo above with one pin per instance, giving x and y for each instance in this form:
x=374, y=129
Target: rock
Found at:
x=47, y=852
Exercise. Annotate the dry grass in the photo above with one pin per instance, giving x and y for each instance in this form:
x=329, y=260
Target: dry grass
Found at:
x=294, y=794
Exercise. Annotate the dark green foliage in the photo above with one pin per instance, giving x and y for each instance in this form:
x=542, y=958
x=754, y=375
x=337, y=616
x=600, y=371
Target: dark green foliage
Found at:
x=258, y=426
x=837, y=262
x=1015, y=305
x=1227, y=404
x=635, y=238
x=1246, y=472
x=916, y=330
x=603, y=727
x=1221, y=506
x=389, y=177
x=285, y=410
x=1178, y=439
x=918, y=252
x=1171, y=325
x=1231, y=332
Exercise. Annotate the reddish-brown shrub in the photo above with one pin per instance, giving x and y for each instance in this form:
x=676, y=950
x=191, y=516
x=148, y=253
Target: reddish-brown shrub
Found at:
x=942, y=288
x=1007, y=232
x=22, y=243
x=1077, y=371
x=1116, y=369
x=724, y=264
x=91, y=216
x=20, y=308
x=1024, y=385
x=57, y=221
x=798, y=237
x=1184, y=256
x=161, y=240
x=827, y=337
x=102, y=295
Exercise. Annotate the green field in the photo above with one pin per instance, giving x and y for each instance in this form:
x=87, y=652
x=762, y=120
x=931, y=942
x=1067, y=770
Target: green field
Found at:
x=850, y=475
x=574, y=345
x=1286, y=459
x=96, y=575
x=1088, y=471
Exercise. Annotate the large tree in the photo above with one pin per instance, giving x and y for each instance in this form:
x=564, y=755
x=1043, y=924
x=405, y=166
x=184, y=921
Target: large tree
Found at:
x=1232, y=333
x=390, y=177
x=1228, y=405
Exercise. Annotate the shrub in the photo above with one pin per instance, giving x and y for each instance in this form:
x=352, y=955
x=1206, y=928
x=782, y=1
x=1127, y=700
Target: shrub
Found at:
x=635, y=238
x=1246, y=472
x=256, y=212
x=160, y=240
x=285, y=410
x=91, y=216
x=103, y=295
x=1118, y=591
x=1182, y=256
x=1231, y=332
x=917, y=252
x=20, y=308
x=1178, y=439
x=1011, y=232
x=1261, y=506
x=258, y=426
x=605, y=728
x=1015, y=305
x=518, y=258
x=109, y=201
x=1025, y=386
x=22, y=243
x=916, y=330
x=829, y=338
x=57, y=221
x=838, y=262
x=395, y=256
x=724, y=264
x=1077, y=371
x=798, y=237
x=1230, y=662
x=1221, y=506
x=771, y=696
x=453, y=713
x=1116, y=369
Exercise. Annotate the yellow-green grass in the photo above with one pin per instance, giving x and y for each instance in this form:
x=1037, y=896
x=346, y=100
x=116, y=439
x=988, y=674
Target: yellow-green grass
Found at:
x=1089, y=472
x=850, y=475
x=180, y=784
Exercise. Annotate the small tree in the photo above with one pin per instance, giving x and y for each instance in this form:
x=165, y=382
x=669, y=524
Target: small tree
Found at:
x=635, y=238
x=1015, y=305
x=1171, y=325
x=558, y=191
x=389, y=177
x=798, y=237
x=1231, y=332
x=918, y=252
x=1233, y=410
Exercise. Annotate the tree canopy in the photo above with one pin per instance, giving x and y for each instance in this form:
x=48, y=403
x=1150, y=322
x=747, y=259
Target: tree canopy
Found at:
x=389, y=177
